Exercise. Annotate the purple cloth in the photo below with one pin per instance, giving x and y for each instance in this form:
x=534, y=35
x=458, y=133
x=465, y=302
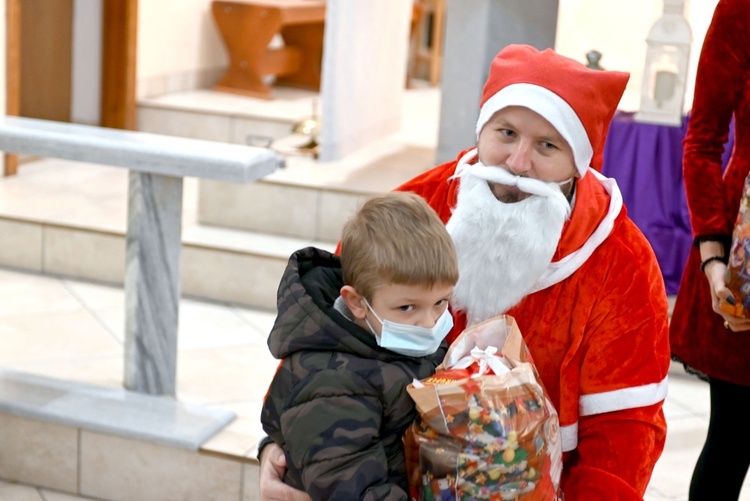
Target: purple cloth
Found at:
x=646, y=161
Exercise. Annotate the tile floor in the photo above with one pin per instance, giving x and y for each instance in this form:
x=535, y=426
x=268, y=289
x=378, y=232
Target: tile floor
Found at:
x=73, y=329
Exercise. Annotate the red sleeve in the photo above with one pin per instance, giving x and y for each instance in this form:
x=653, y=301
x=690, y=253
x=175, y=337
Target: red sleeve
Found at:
x=615, y=456
x=720, y=79
x=624, y=368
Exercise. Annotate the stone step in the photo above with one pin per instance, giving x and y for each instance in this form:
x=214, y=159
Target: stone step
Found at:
x=80, y=461
x=93, y=441
x=217, y=264
x=308, y=199
x=66, y=218
x=158, y=419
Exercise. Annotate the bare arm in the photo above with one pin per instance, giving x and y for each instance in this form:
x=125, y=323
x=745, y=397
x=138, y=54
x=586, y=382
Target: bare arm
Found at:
x=272, y=467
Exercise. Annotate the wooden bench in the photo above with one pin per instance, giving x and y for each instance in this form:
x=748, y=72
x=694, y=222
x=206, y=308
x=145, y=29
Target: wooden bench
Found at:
x=157, y=165
x=247, y=28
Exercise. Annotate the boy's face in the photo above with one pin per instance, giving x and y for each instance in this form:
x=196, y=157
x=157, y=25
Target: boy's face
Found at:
x=409, y=304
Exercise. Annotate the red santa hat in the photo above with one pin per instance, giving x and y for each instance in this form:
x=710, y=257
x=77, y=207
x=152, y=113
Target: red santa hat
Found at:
x=577, y=101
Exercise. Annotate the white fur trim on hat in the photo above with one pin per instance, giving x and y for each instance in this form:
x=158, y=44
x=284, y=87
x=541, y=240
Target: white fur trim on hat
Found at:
x=550, y=106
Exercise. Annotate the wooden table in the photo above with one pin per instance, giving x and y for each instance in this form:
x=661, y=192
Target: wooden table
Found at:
x=248, y=26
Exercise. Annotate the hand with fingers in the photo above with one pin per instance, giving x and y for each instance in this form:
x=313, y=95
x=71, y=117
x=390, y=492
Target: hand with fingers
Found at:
x=272, y=468
x=723, y=301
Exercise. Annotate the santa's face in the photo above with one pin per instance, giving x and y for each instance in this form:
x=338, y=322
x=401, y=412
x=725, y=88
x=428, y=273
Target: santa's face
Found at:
x=527, y=145
x=510, y=212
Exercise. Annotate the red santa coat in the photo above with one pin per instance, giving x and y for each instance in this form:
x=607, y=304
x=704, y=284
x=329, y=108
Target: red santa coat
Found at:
x=722, y=88
x=599, y=339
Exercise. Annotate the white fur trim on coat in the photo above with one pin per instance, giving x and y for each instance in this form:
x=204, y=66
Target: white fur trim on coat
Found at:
x=562, y=269
x=569, y=436
x=610, y=401
x=625, y=398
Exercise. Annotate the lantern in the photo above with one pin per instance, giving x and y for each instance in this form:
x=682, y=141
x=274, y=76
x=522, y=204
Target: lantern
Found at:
x=665, y=74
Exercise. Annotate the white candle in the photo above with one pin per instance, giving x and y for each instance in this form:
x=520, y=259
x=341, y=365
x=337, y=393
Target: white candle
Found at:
x=664, y=85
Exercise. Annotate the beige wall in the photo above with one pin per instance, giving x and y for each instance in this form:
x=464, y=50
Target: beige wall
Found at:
x=177, y=41
x=618, y=30
x=179, y=47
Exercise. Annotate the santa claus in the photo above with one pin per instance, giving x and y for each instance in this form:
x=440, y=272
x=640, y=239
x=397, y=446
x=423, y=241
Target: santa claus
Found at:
x=544, y=237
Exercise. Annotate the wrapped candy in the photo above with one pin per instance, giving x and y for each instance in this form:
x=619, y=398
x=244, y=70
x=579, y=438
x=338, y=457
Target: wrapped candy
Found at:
x=738, y=267
x=486, y=429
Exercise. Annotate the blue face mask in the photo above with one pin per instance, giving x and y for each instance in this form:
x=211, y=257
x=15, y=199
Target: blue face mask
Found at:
x=411, y=340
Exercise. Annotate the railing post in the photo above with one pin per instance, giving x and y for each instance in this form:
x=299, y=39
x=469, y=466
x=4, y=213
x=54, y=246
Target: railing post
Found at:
x=158, y=164
x=152, y=282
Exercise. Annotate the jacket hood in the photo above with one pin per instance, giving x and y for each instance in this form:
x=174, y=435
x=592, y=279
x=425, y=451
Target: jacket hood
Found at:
x=307, y=319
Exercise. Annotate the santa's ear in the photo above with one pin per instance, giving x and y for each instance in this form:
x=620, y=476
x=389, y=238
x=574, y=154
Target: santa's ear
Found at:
x=354, y=302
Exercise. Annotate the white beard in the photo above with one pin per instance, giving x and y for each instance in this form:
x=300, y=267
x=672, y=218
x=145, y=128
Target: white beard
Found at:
x=502, y=248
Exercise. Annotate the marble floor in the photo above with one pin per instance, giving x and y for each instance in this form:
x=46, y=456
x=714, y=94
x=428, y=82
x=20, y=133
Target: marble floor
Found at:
x=73, y=329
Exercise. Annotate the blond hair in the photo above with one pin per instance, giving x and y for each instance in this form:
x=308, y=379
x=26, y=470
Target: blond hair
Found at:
x=396, y=238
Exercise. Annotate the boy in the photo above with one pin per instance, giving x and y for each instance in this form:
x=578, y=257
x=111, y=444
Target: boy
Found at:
x=353, y=332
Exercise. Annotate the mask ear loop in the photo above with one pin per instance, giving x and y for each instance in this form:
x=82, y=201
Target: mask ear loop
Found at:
x=367, y=320
x=367, y=303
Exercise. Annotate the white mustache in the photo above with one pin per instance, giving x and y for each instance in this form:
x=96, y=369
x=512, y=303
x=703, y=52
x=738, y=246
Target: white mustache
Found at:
x=526, y=184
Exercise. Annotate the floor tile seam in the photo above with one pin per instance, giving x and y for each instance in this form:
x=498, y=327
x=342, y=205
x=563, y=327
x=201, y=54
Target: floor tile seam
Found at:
x=188, y=348
x=99, y=357
x=41, y=313
x=73, y=200
x=21, y=316
x=66, y=283
x=683, y=416
x=688, y=412
x=49, y=222
x=221, y=303
x=652, y=491
x=235, y=309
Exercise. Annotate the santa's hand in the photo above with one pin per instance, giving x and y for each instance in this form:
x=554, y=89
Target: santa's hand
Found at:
x=272, y=468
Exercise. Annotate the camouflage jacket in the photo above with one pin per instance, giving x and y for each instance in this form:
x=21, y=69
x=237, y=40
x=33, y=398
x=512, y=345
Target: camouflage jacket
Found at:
x=337, y=404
